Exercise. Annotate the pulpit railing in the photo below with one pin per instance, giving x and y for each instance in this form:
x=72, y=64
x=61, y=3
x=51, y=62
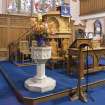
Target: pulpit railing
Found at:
x=14, y=46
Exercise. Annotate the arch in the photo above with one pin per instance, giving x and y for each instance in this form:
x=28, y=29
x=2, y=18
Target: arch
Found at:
x=98, y=27
x=82, y=45
x=101, y=61
x=53, y=25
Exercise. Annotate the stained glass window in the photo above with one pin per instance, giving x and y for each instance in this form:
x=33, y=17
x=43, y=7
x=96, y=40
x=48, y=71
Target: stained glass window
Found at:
x=25, y=6
x=97, y=27
x=32, y=6
x=42, y=6
x=12, y=5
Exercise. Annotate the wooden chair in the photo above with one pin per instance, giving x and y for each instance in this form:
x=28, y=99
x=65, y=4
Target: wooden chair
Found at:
x=24, y=50
x=65, y=46
x=34, y=43
x=64, y=50
x=55, y=57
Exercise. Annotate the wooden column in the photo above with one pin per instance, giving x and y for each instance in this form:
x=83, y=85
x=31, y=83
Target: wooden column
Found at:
x=69, y=64
x=81, y=64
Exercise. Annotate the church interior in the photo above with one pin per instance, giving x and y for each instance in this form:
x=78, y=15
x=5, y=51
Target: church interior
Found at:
x=52, y=52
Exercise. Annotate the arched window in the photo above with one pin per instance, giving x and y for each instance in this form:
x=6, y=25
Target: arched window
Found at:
x=42, y=6
x=19, y=6
x=25, y=6
x=30, y=6
x=12, y=5
x=97, y=27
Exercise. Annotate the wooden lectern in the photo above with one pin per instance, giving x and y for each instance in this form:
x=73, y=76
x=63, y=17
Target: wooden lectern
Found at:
x=76, y=49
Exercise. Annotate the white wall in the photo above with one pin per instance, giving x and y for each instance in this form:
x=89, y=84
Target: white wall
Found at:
x=0, y=6
x=90, y=25
x=75, y=11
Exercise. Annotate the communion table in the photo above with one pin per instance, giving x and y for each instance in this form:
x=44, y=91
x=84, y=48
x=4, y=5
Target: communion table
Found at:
x=95, y=53
x=40, y=83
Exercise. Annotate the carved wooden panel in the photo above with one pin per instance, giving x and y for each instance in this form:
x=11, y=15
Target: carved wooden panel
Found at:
x=54, y=48
x=58, y=24
x=60, y=29
x=53, y=25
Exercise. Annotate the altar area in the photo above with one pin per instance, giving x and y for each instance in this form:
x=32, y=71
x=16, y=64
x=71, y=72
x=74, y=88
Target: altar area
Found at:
x=64, y=84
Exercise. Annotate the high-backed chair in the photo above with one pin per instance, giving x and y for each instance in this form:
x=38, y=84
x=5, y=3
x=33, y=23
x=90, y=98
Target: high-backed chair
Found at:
x=65, y=46
x=34, y=43
x=55, y=57
x=24, y=50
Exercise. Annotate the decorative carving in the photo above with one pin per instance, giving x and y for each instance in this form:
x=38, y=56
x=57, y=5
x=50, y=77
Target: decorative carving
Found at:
x=54, y=46
x=53, y=25
x=57, y=24
x=41, y=53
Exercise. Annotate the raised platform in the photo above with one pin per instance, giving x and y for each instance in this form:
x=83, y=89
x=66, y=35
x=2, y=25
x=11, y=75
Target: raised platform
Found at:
x=65, y=84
